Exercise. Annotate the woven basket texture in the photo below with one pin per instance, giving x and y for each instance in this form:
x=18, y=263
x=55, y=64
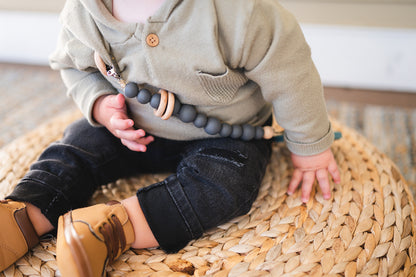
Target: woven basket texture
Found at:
x=367, y=228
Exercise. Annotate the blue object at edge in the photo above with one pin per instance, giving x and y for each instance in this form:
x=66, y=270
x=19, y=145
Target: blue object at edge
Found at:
x=279, y=138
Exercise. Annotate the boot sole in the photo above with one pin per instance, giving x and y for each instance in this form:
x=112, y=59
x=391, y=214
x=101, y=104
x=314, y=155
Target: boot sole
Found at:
x=78, y=253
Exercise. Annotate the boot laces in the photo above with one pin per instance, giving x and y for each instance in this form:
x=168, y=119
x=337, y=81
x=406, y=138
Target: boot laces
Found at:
x=114, y=237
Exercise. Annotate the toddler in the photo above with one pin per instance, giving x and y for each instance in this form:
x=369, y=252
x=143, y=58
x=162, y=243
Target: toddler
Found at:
x=220, y=68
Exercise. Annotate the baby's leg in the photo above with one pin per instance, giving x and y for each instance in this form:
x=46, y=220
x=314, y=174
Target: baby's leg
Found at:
x=39, y=221
x=64, y=178
x=70, y=170
x=144, y=237
x=217, y=180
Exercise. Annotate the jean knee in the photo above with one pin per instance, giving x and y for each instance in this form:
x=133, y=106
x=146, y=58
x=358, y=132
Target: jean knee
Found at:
x=82, y=135
x=220, y=184
x=76, y=127
x=227, y=168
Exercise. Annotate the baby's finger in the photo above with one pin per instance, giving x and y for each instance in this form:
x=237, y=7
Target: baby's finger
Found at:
x=334, y=171
x=294, y=181
x=130, y=134
x=323, y=180
x=134, y=146
x=118, y=101
x=146, y=140
x=307, y=183
x=118, y=122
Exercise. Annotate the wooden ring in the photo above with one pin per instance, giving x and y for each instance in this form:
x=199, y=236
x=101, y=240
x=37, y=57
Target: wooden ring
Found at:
x=162, y=104
x=171, y=105
x=100, y=63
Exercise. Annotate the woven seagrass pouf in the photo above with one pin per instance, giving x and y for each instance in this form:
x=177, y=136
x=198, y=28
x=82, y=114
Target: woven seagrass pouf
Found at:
x=366, y=228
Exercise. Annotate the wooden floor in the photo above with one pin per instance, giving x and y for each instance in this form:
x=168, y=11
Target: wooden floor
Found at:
x=404, y=100
x=386, y=119
x=30, y=95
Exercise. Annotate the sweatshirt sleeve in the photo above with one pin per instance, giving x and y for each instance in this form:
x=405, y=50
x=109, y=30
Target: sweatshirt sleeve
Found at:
x=277, y=57
x=83, y=81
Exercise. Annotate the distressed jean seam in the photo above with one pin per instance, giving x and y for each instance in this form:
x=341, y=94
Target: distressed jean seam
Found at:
x=44, y=184
x=48, y=209
x=58, y=194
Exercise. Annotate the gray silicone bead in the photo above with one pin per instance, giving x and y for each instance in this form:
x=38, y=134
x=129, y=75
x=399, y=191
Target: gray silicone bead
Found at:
x=226, y=130
x=187, y=113
x=213, y=126
x=177, y=106
x=259, y=132
x=144, y=96
x=131, y=90
x=237, y=131
x=200, y=120
x=248, y=132
x=155, y=100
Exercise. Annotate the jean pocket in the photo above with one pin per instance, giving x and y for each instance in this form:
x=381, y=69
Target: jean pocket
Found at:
x=222, y=87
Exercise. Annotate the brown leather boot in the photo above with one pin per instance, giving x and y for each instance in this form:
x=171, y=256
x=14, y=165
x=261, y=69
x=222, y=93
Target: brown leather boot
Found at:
x=92, y=237
x=17, y=234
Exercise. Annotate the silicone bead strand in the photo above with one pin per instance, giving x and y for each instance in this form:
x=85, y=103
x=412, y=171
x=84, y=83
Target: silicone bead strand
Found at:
x=166, y=104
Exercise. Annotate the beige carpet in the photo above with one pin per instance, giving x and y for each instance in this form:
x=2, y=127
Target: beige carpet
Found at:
x=31, y=95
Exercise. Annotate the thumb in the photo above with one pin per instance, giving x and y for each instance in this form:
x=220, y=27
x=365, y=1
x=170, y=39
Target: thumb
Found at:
x=118, y=101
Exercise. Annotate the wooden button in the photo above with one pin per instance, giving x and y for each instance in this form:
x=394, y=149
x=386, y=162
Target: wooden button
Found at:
x=152, y=40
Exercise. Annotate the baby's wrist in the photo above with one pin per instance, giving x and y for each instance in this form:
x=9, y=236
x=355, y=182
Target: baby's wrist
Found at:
x=97, y=110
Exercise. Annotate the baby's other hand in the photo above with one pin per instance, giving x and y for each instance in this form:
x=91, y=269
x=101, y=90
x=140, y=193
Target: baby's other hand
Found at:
x=111, y=111
x=307, y=168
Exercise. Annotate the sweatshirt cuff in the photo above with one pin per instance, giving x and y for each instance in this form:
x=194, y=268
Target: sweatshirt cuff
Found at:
x=87, y=90
x=309, y=149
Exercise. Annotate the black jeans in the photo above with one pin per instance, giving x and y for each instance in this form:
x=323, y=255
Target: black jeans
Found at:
x=215, y=180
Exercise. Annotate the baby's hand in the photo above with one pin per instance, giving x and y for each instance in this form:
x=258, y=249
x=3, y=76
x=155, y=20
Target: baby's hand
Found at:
x=111, y=111
x=309, y=167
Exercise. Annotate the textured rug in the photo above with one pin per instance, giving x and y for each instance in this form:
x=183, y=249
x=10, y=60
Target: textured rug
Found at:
x=367, y=228
x=32, y=95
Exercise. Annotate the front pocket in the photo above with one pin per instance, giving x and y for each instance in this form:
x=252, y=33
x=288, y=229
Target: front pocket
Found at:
x=222, y=88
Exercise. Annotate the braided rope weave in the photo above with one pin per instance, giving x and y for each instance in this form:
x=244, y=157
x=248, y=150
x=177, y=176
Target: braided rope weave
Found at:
x=366, y=229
